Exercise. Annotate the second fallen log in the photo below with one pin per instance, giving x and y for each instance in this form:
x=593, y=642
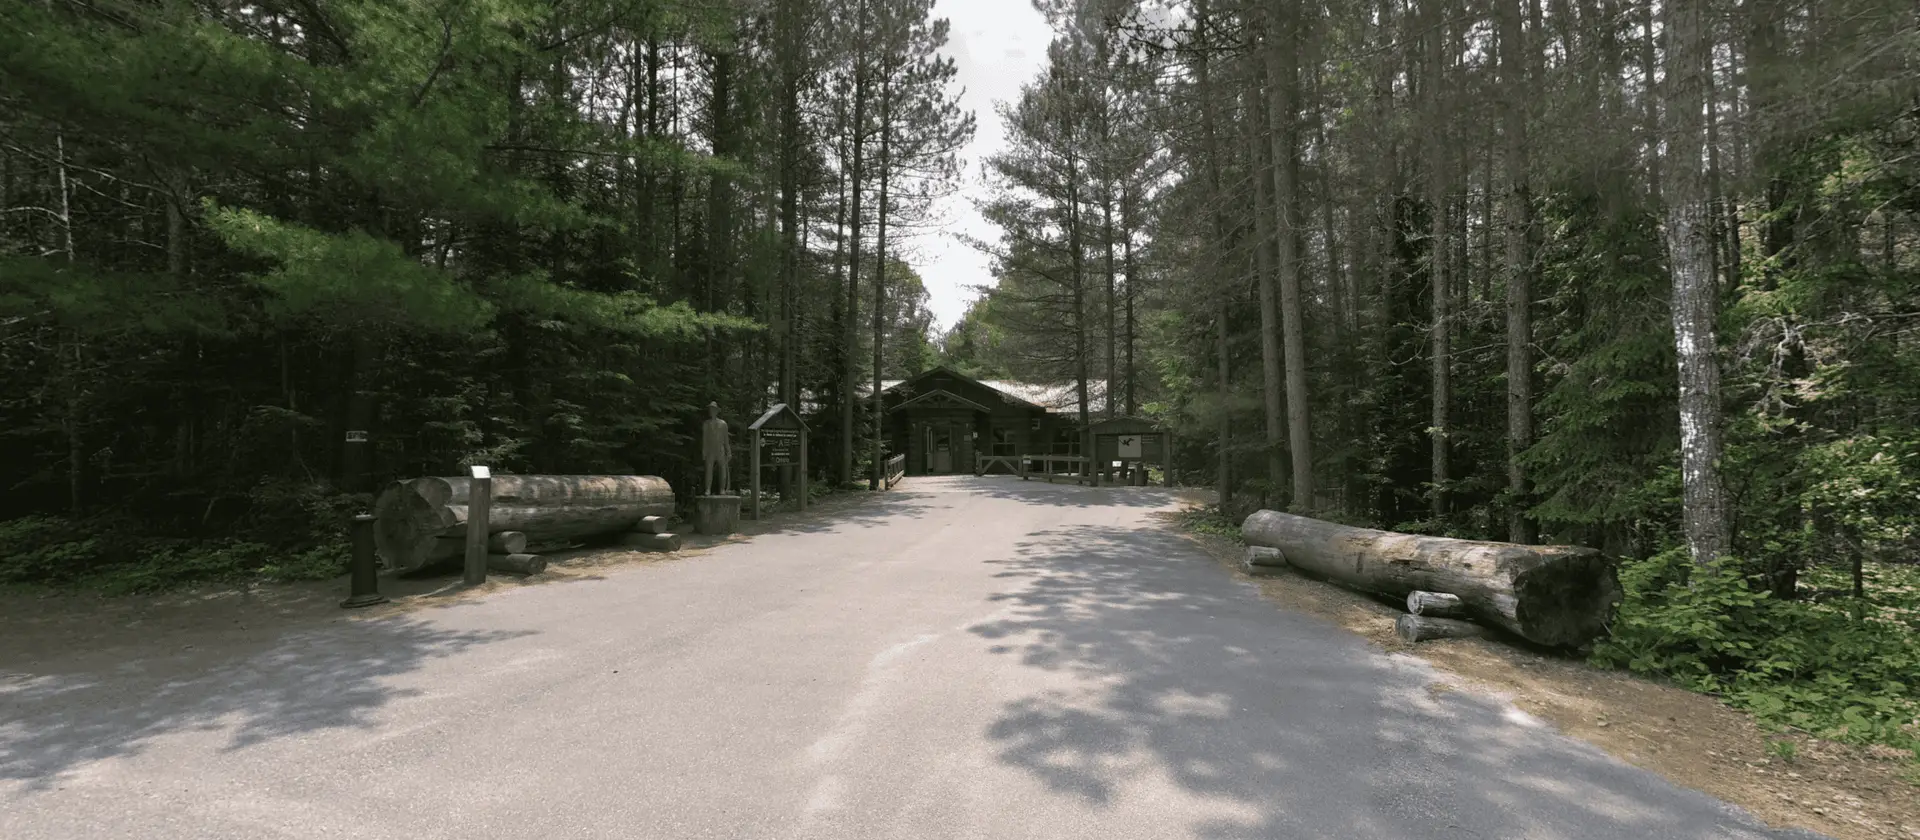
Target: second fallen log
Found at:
x=1419, y=628
x=650, y=542
x=516, y=564
x=1558, y=596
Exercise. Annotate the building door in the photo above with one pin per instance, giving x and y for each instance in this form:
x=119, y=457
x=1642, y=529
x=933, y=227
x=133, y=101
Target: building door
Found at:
x=943, y=450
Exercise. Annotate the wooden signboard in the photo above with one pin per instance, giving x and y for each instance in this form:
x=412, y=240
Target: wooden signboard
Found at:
x=779, y=447
x=779, y=440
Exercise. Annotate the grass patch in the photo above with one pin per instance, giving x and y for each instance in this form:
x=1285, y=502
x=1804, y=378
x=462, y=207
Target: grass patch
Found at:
x=1210, y=520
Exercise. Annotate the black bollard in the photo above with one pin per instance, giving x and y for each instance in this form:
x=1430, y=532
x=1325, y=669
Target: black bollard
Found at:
x=364, y=590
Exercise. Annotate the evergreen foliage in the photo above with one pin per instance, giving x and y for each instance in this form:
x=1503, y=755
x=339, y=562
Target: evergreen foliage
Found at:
x=533, y=236
x=1805, y=200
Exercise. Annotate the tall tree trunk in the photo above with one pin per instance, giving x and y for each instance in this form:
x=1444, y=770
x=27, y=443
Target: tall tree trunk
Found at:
x=1389, y=209
x=1113, y=282
x=1272, y=381
x=1210, y=135
x=1130, y=270
x=1689, y=235
x=719, y=220
x=70, y=354
x=1438, y=196
x=879, y=478
x=1223, y=469
x=1517, y=238
x=1650, y=96
x=791, y=148
x=839, y=316
x=1077, y=244
x=1283, y=63
x=850, y=373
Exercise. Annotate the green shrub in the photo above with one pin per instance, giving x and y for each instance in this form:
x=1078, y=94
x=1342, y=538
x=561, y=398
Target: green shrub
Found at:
x=37, y=548
x=171, y=564
x=1819, y=668
x=111, y=557
x=318, y=563
x=299, y=514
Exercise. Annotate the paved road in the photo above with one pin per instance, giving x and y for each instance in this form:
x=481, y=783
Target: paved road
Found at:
x=965, y=658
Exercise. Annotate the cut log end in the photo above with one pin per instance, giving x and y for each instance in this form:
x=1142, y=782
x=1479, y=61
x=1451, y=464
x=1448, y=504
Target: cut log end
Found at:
x=507, y=542
x=1568, y=603
x=651, y=525
x=1262, y=570
x=1435, y=604
x=1419, y=628
x=651, y=542
x=516, y=564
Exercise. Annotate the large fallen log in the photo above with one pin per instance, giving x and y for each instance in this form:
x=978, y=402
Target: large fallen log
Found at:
x=1560, y=596
x=412, y=515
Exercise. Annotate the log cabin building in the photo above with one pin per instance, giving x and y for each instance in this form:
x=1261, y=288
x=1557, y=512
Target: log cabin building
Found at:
x=942, y=419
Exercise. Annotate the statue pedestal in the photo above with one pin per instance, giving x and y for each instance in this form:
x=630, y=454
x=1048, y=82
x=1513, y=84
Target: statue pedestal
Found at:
x=716, y=515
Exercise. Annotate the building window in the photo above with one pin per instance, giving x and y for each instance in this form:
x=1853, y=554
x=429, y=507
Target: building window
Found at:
x=1066, y=441
x=1002, y=441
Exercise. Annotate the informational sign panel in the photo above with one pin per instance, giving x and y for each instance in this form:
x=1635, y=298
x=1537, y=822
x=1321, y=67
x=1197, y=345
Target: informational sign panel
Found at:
x=779, y=447
x=1130, y=446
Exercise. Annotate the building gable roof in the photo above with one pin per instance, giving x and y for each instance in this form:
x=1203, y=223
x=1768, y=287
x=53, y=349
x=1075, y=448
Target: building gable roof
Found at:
x=1050, y=398
x=940, y=397
x=898, y=385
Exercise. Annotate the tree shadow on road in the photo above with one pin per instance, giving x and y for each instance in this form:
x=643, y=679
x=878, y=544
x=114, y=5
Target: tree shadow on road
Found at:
x=1067, y=494
x=1289, y=726
x=330, y=677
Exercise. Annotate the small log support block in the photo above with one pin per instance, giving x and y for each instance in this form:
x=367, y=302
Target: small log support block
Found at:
x=1419, y=628
x=516, y=564
x=1435, y=604
x=651, y=542
x=507, y=542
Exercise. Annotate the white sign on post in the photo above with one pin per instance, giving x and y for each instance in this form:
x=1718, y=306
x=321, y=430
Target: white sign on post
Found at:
x=1129, y=446
x=482, y=472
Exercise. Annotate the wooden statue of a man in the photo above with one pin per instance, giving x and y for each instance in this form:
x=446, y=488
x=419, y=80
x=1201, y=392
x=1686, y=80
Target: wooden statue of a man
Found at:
x=714, y=450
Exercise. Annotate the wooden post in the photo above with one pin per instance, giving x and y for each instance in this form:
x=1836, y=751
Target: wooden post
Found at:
x=806, y=482
x=364, y=585
x=753, y=485
x=479, y=501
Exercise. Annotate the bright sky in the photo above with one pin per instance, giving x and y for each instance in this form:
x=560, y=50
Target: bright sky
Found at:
x=998, y=45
